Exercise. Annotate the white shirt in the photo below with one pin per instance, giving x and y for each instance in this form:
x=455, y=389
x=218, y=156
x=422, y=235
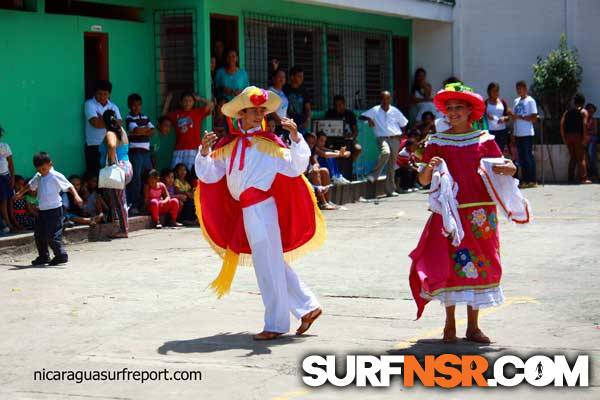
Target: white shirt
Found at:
x=93, y=109
x=388, y=123
x=495, y=111
x=282, y=110
x=48, y=189
x=4, y=154
x=524, y=107
x=259, y=168
x=442, y=124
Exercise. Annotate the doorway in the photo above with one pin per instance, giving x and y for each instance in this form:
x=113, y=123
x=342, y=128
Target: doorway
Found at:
x=401, y=72
x=224, y=29
x=95, y=63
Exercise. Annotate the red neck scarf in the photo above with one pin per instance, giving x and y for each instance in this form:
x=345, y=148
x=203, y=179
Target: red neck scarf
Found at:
x=244, y=138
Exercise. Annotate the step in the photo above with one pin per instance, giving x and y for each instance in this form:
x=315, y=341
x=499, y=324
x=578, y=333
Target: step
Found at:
x=23, y=243
x=352, y=192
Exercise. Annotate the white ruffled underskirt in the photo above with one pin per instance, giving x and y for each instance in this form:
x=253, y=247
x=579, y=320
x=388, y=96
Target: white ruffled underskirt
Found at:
x=475, y=298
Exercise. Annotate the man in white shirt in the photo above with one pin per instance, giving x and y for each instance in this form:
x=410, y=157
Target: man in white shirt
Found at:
x=525, y=113
x=387, y=123
x=94, y=125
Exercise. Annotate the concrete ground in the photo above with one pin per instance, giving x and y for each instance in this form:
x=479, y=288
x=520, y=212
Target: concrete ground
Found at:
x=141, y=304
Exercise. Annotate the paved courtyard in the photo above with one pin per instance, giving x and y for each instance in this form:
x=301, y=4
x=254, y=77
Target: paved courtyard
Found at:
x=142, y=304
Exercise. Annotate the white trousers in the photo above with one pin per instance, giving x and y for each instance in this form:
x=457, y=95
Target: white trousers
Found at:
x=281, y=289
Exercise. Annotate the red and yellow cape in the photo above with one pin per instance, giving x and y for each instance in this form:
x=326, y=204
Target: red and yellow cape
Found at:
x=220, y=215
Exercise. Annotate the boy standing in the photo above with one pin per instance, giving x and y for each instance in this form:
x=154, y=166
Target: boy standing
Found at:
x=299, y=103
x=267, y=211
x=95, y=130
x=525, y=114
x=139, y=131
x=187, y=122
x=49, y=224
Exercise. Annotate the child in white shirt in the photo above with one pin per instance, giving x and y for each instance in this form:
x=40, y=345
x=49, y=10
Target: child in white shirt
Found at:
x=48, y=184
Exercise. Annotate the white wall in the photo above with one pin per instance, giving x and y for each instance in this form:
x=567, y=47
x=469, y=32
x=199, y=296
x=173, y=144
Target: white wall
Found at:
x=500, y=40
x=583, y=21
x=432, y=50
x=397, y=8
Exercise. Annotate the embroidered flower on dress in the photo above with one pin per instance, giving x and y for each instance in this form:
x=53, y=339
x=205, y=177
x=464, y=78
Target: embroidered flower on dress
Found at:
x=469, y=265
x=479, y=217
x=470, y=271
x=483, y=225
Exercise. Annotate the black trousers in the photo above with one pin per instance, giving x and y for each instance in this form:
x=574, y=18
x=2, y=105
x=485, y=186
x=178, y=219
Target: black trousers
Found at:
x=406, y=178
x=48, y=232
x=92, y=160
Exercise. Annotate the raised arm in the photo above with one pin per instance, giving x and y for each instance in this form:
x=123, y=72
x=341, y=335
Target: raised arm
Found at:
x=208, y=169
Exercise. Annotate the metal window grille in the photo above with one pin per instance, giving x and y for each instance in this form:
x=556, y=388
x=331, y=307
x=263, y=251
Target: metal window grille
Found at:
x=175, y=54
x=358, y=65
x=358, y=60
x=292, y=42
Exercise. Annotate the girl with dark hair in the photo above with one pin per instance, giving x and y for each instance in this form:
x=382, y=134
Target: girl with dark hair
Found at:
x=159, y=202
x=421, y=94
x=230, y=80
x=497, y=114
x=573, y=130
x=114, y=150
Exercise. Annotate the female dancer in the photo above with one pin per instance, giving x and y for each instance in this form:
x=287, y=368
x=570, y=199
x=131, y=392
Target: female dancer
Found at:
x=456, y=266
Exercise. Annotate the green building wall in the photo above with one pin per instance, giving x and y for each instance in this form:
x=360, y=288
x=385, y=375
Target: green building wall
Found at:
x=42, y=68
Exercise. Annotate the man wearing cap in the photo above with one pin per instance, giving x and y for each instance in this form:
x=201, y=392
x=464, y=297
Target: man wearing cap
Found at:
x=256, y=208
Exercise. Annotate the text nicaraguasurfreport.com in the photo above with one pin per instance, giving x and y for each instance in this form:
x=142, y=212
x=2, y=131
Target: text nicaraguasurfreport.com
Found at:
x=124, y=374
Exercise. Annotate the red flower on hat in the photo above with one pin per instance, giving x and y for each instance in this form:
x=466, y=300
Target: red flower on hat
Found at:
x=259, y=99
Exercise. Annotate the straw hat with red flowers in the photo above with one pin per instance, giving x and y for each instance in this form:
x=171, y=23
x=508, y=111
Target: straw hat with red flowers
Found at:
x=251, y=97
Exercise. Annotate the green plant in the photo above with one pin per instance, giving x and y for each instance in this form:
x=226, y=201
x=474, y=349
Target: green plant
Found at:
x=556, y=79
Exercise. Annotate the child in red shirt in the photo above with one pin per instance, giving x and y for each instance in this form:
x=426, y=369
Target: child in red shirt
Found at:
x=407, y=170
x=188, y=123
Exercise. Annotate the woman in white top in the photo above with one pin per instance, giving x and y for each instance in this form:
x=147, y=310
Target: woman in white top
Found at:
x=497, y=114
x=421, y=94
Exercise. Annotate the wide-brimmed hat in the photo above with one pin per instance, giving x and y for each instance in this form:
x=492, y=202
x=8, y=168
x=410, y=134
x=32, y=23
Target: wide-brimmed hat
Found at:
x=458, y=91
x=251, y=97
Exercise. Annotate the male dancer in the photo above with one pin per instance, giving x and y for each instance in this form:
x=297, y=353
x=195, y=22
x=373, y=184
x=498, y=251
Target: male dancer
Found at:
x=256, y=207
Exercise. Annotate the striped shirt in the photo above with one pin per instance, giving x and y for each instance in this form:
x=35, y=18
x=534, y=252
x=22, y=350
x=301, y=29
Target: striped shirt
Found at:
x=138, y=121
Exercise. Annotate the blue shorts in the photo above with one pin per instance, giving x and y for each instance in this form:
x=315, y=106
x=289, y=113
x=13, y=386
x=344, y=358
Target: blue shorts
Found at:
x=6, y=193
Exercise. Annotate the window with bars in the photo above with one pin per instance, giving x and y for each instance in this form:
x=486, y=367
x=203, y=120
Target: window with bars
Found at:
x=290, y=41
x=175, y=53
x=358, y=61
x=358, y=65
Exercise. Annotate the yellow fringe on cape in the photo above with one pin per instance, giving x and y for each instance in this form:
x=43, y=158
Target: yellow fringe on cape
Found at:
x=263, y=145
x=222, y=284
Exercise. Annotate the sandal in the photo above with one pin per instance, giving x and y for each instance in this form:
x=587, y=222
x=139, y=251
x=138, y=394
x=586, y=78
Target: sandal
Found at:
x=449, y=336
x=478, y=337
x=308, y=320
x=264, y=335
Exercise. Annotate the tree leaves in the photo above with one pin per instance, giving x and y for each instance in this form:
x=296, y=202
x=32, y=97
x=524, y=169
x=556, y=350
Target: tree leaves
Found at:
x=556, y=78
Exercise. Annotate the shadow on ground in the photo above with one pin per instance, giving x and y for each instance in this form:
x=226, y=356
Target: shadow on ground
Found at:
x=20, y=267
x=227, y=341
x=436, y=347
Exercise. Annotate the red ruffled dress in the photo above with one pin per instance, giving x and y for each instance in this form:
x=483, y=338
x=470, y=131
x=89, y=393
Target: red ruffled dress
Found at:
x=469, y=273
